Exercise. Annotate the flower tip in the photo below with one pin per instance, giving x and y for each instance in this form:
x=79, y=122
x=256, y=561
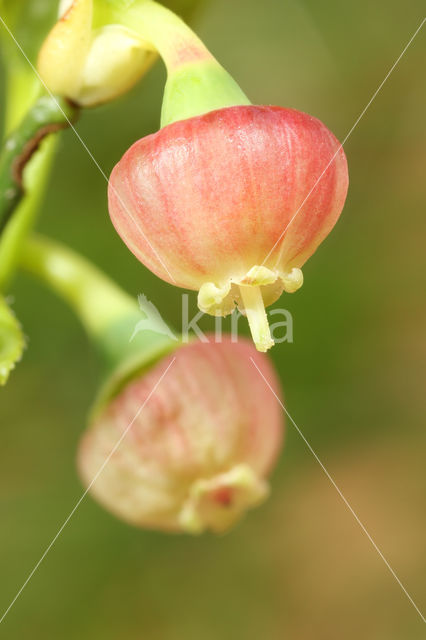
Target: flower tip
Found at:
x=264, y=344
x=219, y=502
x=199, y=453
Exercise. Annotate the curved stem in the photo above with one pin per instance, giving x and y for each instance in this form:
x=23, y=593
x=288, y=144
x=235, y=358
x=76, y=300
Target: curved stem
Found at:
x=160, y=29
x=22, y=190
x=24, y=216
x=45, y=117
x=196, y=82
x=95, y=298
x=118, y=326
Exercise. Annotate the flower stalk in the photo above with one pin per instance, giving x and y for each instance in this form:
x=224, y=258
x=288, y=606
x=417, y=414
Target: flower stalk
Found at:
x=24, y=170
x=108, y=314
x=48, y=115
x=23, y=218
x=196, y=82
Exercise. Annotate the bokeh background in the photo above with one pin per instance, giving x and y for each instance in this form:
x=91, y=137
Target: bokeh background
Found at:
x=354, y=377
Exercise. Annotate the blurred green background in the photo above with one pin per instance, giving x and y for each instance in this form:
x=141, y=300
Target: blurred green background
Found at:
x=354, y=378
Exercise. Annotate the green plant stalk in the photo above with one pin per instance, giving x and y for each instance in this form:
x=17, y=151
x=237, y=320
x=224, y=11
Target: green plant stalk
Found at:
x=109, y=315
x=45, y=117
x=196, y=82
x=28, y=23
x=23, y=89
x=23, y=218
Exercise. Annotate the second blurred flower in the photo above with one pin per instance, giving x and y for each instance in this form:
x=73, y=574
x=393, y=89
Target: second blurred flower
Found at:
x=194, y=453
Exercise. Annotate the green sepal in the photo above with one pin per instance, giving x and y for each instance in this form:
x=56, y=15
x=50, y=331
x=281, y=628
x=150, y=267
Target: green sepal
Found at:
x=196, y=82
x=198, y=88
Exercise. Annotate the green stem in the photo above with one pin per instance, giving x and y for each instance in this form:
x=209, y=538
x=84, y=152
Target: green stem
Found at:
x=196, y=82
x=27, y=185
x=110, y=316
x=47, y=116
x=95, y=298
x=159, y=28
x=24, y=216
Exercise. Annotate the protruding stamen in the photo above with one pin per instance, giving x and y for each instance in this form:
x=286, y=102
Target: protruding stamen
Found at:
x=256, y=315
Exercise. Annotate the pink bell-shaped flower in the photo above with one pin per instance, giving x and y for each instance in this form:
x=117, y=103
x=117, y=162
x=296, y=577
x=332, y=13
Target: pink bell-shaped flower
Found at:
x=197, y=455
x=234, y=202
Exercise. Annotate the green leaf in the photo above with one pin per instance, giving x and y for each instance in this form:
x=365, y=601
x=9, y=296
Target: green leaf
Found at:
x=12, y=341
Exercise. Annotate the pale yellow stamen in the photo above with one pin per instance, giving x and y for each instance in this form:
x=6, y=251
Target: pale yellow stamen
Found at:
x=254, y=309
